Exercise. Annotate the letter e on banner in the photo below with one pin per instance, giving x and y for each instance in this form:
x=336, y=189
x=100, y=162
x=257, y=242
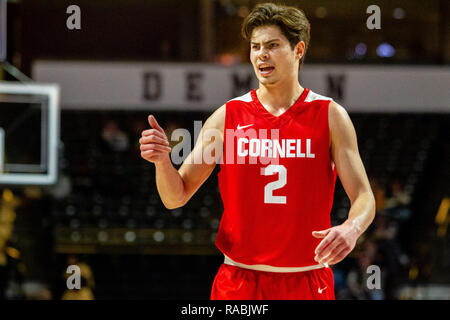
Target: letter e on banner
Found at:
x=194, y=86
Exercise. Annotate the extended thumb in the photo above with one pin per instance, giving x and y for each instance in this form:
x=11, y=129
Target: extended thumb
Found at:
x=152, y=121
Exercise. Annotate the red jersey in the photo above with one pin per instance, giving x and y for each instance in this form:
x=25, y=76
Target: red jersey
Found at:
x=276, y=181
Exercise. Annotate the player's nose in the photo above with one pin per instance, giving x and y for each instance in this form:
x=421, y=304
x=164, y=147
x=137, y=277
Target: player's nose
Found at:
x=263, y=54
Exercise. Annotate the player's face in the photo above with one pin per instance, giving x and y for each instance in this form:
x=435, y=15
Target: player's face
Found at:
x=271, y=55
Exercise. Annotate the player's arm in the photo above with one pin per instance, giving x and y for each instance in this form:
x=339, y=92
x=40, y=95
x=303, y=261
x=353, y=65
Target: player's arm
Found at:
x=339, y=241
x=176, y=187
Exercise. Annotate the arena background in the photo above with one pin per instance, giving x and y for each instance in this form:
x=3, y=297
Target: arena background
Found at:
x=179, y=60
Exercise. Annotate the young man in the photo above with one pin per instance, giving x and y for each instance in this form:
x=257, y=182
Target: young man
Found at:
x=275, y=232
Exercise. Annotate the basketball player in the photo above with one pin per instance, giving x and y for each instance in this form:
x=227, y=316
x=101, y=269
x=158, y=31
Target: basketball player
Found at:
x=275, y=231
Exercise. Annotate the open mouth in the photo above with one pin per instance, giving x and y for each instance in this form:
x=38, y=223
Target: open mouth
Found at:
x=265, y=71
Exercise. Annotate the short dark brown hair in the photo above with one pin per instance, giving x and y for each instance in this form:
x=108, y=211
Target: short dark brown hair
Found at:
x=291, y=21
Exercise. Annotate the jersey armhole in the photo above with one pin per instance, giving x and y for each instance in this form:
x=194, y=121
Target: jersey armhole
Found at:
x=328, y=124
x=333, y=165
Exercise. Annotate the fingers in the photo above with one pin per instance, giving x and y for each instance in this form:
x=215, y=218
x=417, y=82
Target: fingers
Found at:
x=154, y=124
x=324, y=243
x=339, y=256
x=323, y=254
x=153, y=132
x=153, y=139
x=335, y=246
x=331, y=254
x=154, y=152
x=156, y=147
x=320, y=234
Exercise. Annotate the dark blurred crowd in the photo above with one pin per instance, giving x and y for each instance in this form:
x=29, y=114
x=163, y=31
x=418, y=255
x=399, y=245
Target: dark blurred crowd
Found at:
x=379, y=246
x=16, y=282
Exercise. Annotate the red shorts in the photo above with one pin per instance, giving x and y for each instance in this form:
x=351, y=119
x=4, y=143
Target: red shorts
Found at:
x=235, y=283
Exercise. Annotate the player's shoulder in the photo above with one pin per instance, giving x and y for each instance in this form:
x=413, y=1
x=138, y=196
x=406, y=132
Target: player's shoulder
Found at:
x=240, y=104
x=334, y=108
x=245, y=98
x=338, y=118
x=315, y=97
x=217, y=119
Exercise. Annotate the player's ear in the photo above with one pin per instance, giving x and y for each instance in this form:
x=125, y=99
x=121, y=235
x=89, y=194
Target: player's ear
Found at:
x=299, y=49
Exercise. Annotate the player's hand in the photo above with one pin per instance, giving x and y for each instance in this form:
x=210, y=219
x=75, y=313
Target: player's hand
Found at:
x=154, y=143
x=337, y=243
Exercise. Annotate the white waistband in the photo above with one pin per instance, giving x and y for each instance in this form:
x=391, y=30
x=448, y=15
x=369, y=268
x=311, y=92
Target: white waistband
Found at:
x=264, y=267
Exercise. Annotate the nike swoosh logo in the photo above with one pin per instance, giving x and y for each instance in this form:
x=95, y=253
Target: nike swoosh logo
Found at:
x=243, y=127
x=320, y=290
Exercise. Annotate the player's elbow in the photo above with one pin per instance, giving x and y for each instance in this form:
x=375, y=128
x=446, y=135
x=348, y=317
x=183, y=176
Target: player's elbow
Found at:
x=372, y=204
x=173, y=205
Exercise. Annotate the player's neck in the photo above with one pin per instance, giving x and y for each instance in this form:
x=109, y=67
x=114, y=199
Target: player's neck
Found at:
x=279, y=97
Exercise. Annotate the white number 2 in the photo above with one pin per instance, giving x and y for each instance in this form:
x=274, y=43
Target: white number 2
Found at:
x=280, y=183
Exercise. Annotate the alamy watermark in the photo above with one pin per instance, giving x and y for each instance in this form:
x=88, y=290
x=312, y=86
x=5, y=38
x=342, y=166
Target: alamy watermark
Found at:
x=374, y=20
x=74, y=280
x=374, y=280
x=73, y=22
x=241, y=145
